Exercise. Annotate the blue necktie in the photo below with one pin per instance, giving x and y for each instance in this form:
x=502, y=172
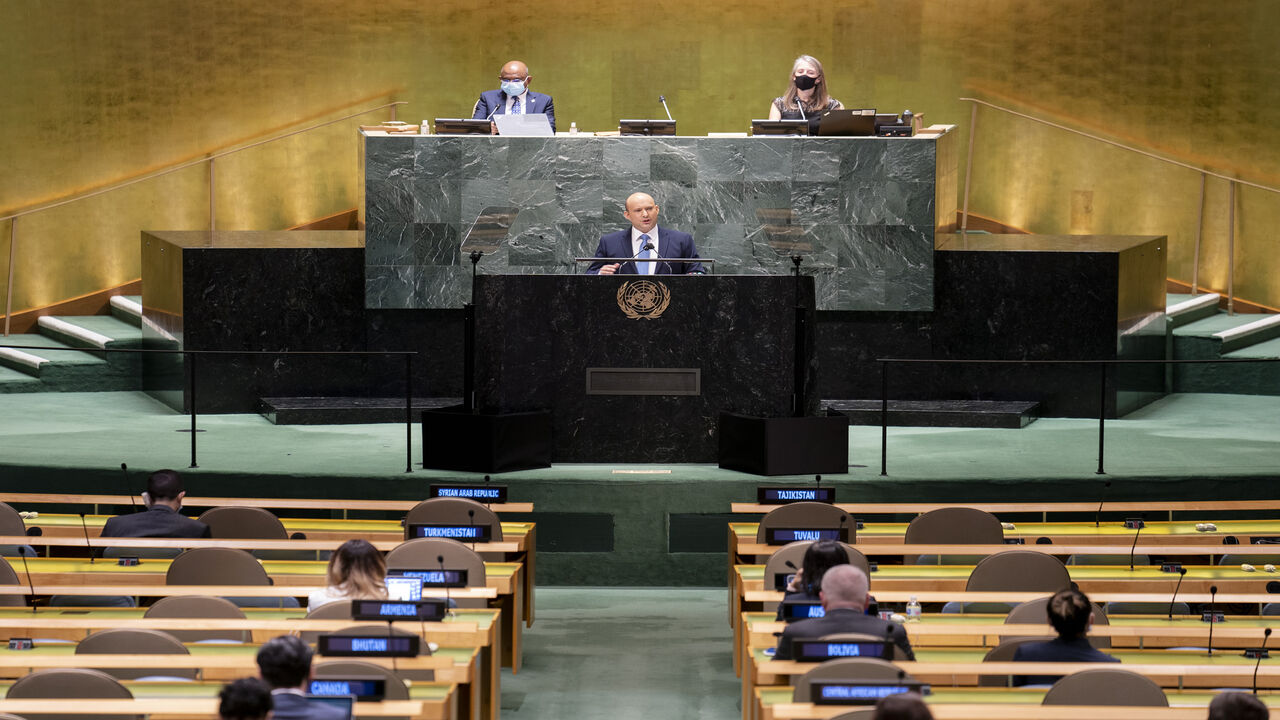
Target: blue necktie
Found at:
x=515, y=107
x=645, y=268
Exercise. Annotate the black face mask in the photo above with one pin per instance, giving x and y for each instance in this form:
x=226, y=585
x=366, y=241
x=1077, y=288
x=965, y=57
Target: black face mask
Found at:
x=804, y=82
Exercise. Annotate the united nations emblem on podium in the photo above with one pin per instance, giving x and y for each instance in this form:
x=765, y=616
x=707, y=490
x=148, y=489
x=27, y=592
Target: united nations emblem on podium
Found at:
x=646, y=299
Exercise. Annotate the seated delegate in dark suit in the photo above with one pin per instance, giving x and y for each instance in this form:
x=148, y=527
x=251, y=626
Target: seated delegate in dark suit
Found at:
x=514, y=97
x=844, y=597
x=672, y=245
x=161, y=518
x=285, y=664
x=1071, y=614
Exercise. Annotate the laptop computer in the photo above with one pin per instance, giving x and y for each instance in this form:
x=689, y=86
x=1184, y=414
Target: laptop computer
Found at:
x=847, y=122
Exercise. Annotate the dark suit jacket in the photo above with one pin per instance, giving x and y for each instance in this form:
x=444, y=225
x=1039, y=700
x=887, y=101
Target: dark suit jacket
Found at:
x=842, y=620
x=671, y=244
x=291, y=706
x=494, y=102
x=1056, y=650
x=155, y=521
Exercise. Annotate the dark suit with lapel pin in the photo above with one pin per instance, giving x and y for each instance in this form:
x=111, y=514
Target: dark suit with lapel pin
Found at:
x=494, y=102
x=672, y=244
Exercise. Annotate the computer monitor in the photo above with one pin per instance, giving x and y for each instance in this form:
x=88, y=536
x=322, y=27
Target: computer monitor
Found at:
x=462, y=126
x=345, y=704
x=646, y=127
x=779, y=127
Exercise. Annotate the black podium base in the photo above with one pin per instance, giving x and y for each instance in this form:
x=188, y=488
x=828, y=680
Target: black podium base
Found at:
x=784, y=445
x=457, y=439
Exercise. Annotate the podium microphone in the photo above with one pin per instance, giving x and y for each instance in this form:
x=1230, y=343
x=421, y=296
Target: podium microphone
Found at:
x=1261, y=652
x=1134, y=546
x=663, y=99
x=800, y=107
x=1213, y=618
x=443, y=581
x=128, y=487
x=1098, y=516
x=87, y=544
x=1181, y=574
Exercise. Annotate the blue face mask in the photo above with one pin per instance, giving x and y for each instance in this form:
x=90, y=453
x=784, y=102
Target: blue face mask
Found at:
x=513, y=87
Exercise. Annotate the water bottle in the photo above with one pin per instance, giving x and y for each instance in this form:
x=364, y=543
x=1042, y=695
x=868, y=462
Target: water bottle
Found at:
x=573, y=128
x=913, y=609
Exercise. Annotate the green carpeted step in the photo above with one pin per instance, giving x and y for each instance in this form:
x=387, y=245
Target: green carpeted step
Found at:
x=60, y=367
x=15, y=381
x=128, y=309
x=92, y=331
x=1267, y=349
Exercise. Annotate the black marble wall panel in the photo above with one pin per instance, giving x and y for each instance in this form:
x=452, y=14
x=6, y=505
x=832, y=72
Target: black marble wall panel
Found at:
x=536, y=337
x=863, y=211
x=1016, y=297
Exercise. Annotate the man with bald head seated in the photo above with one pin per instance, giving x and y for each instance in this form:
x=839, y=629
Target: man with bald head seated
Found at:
x=844, y=598
x=162, y=518
x=514, y=96
x=646, y=239
x=1071, y=614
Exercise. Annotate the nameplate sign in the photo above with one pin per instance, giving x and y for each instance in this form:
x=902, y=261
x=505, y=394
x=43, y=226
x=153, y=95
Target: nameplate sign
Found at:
x=858, y=693
x=783, y=536
x=485, y=493
x=433, y=578
x=822, y=650
x=341, y=645
x=766, y=495
x=792, y=611
x=463, y=533
x=364, y=689
x=388, y=610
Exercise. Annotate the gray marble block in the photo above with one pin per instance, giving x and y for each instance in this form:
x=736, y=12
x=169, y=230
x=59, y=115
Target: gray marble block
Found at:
x=863, y=212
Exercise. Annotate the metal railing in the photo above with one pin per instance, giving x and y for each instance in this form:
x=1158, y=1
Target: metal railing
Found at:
x=1102, y=365
x=190, y=357
x=213, y=209
x=1232, y=182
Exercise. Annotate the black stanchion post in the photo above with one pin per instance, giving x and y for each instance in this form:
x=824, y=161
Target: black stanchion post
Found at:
x=191, y=360
x=884, y=418
x=797, y=397
x=408, y=413
x=1102, y=414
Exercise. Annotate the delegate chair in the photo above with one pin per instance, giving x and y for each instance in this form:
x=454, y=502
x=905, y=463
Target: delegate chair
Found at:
x=70, y=684
x=1271, y=609
x=339, y=610
x=250, y=523
x=197, y=607
x=410, y=675
x=806, y=515
x=11, y=523
x=1034, y=612
x=848, y=669
x=9, y=577
x=453, y=511
x=1106, y=687
x=341, y=669
x=224, y=566
x=1016, y=570
x=434, y=553
x=952, y=526
x=122, y=641
x=1147, y=608
x=1004, y=653
x=1107, y=560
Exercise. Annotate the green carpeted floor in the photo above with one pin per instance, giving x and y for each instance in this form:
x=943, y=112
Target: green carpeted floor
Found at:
x=1219, y=435
x=624, y=653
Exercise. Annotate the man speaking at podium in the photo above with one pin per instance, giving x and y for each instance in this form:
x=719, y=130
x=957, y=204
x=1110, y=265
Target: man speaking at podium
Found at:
x=645, y=239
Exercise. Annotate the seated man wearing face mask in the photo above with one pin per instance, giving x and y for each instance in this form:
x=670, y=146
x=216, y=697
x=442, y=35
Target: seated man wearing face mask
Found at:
x=515, y=97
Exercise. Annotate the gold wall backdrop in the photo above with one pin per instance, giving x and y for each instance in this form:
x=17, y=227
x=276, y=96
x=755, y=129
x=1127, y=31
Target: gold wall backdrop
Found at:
x=99, y=91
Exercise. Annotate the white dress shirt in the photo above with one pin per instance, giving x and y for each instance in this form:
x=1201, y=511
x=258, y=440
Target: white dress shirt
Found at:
x=645, y=268
x=524, y=102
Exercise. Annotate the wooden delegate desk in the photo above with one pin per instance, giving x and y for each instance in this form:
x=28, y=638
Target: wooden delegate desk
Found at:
x=165, y=708
x=466, y=628
x=777, y=703
x=962, y=667
x=1044, y=508
x=1139, y=632
x=327, y=504
x=519, y=541
x=505, y=579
